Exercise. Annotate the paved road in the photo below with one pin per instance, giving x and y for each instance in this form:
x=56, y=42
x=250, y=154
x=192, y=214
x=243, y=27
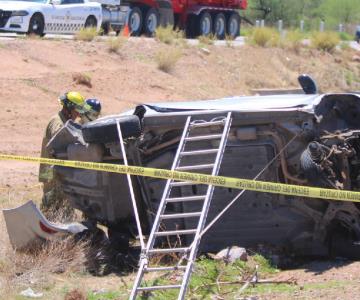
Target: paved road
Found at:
x=240, y=41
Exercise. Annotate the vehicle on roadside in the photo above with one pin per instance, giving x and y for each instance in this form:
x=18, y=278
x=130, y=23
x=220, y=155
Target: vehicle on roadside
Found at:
x=49, y=16
x=201, y=17
x=304, y=139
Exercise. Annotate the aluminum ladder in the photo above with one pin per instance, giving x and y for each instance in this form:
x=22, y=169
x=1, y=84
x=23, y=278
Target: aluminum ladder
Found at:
x=189, y=253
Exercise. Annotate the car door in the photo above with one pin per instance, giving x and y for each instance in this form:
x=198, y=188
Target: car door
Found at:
x=76, y=13
x=55, y=17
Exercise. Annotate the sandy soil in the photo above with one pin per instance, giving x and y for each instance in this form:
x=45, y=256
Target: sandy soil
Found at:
x=35, y=72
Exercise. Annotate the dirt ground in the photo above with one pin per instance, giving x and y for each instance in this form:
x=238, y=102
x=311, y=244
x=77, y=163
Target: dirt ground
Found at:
x=35, y=72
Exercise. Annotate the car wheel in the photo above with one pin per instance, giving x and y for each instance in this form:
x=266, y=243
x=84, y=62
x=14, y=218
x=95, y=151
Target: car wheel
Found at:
x=105, y=130
x=220, y=26
x=151, y=21
x=90, y=22
x=233, y=25
x=205, y=24
x=37, y=25
x=135, y=21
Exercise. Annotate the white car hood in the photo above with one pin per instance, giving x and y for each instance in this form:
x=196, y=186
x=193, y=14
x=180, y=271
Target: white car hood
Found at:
x=19, y=5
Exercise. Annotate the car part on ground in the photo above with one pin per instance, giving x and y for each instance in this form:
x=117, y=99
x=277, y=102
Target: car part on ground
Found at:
x=26, y=224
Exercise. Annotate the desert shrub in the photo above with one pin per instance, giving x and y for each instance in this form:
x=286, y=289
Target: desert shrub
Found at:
x=82, y=78
x=167, y=58
x=116, y=43
x=325, y=41
x=265, y=37
x=207, y=39
x=167, y=35
x=294, y=40
x=86, y=34
x=344, y=36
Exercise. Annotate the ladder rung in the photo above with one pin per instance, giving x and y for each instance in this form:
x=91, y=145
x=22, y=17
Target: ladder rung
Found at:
x=159, y=287
x=184, y=199
x=199, y=152
x=182, y=183
x=182, y=215
x=168, y=250
x=195, y=167
x=207, y=124
x=160, y=269
x=203, y=137
x=175, y=232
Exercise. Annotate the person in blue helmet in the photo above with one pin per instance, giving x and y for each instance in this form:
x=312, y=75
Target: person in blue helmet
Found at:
x=93, y=112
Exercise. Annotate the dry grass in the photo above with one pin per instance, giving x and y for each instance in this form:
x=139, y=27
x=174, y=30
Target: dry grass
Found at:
x=82, y=78
x=75, y=294
x=294, y=40
x=167, y=58
x=207, y=39
x=86, y=34
x=168, y=35
x=265, y=37
x=325, y=41
x=116, y=43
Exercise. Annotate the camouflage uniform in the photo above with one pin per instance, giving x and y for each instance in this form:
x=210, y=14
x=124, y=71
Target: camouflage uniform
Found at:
x=53, y=198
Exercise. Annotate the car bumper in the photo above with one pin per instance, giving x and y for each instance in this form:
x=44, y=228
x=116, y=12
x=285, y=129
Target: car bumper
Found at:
x=16, y=24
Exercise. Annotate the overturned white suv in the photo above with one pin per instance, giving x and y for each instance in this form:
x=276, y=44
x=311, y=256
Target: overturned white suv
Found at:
x=49, y=16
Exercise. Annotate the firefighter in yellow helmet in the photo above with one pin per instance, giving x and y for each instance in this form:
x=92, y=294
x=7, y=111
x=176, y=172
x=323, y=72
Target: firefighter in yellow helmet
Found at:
x=73, y=106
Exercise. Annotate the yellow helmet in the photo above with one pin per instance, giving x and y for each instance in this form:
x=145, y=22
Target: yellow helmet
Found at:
x=74, y=100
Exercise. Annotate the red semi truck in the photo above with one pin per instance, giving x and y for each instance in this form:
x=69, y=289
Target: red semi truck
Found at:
x=195, y=17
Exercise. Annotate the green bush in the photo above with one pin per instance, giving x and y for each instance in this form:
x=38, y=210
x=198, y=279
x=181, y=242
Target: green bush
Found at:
x=344, y=36
x=265, y=37
x=325, y=41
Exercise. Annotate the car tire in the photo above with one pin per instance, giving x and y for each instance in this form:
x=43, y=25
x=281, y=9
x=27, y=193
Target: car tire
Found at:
x=151, y=21
x=105, y=130
x=135, y=21
x=233, y=26
x=205, y=24
x=220, y=26
x=90, y=22
x=37, y=25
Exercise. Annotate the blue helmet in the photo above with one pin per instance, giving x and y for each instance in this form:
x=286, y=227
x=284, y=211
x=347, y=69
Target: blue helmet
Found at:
x=93, y=107
x=94, y=104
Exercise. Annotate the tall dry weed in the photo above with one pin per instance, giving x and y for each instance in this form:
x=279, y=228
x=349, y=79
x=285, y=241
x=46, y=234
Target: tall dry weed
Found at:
x=166, y=59
x=326, y=41
x=265, y=37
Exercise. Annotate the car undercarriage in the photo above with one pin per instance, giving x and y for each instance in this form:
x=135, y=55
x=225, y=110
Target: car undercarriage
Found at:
x=310, y=140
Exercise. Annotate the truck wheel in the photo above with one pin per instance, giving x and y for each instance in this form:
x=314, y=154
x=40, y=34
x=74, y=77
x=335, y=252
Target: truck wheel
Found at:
x=135, y=21
x=90, y=22
x=151, y=21
x=220, y=26
x=37, y=25
x=233, y=25
x=105, y=130
x=205, y=24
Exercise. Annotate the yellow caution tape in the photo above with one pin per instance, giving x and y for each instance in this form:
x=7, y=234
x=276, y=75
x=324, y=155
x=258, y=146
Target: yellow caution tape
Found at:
x=221, y=181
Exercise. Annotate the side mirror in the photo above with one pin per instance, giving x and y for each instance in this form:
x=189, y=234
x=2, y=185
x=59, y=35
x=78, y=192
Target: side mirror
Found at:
x=55, y=2
x=308, y=84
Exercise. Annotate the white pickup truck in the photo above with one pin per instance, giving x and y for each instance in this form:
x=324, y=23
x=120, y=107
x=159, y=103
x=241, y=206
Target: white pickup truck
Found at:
x=58, y=16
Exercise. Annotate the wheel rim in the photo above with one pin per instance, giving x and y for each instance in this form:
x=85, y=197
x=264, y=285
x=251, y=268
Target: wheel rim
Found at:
x=220, y=26
x=134, y=22
x=35, y=26
x=205, y=26
x=233, y=25
x=152, y=22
